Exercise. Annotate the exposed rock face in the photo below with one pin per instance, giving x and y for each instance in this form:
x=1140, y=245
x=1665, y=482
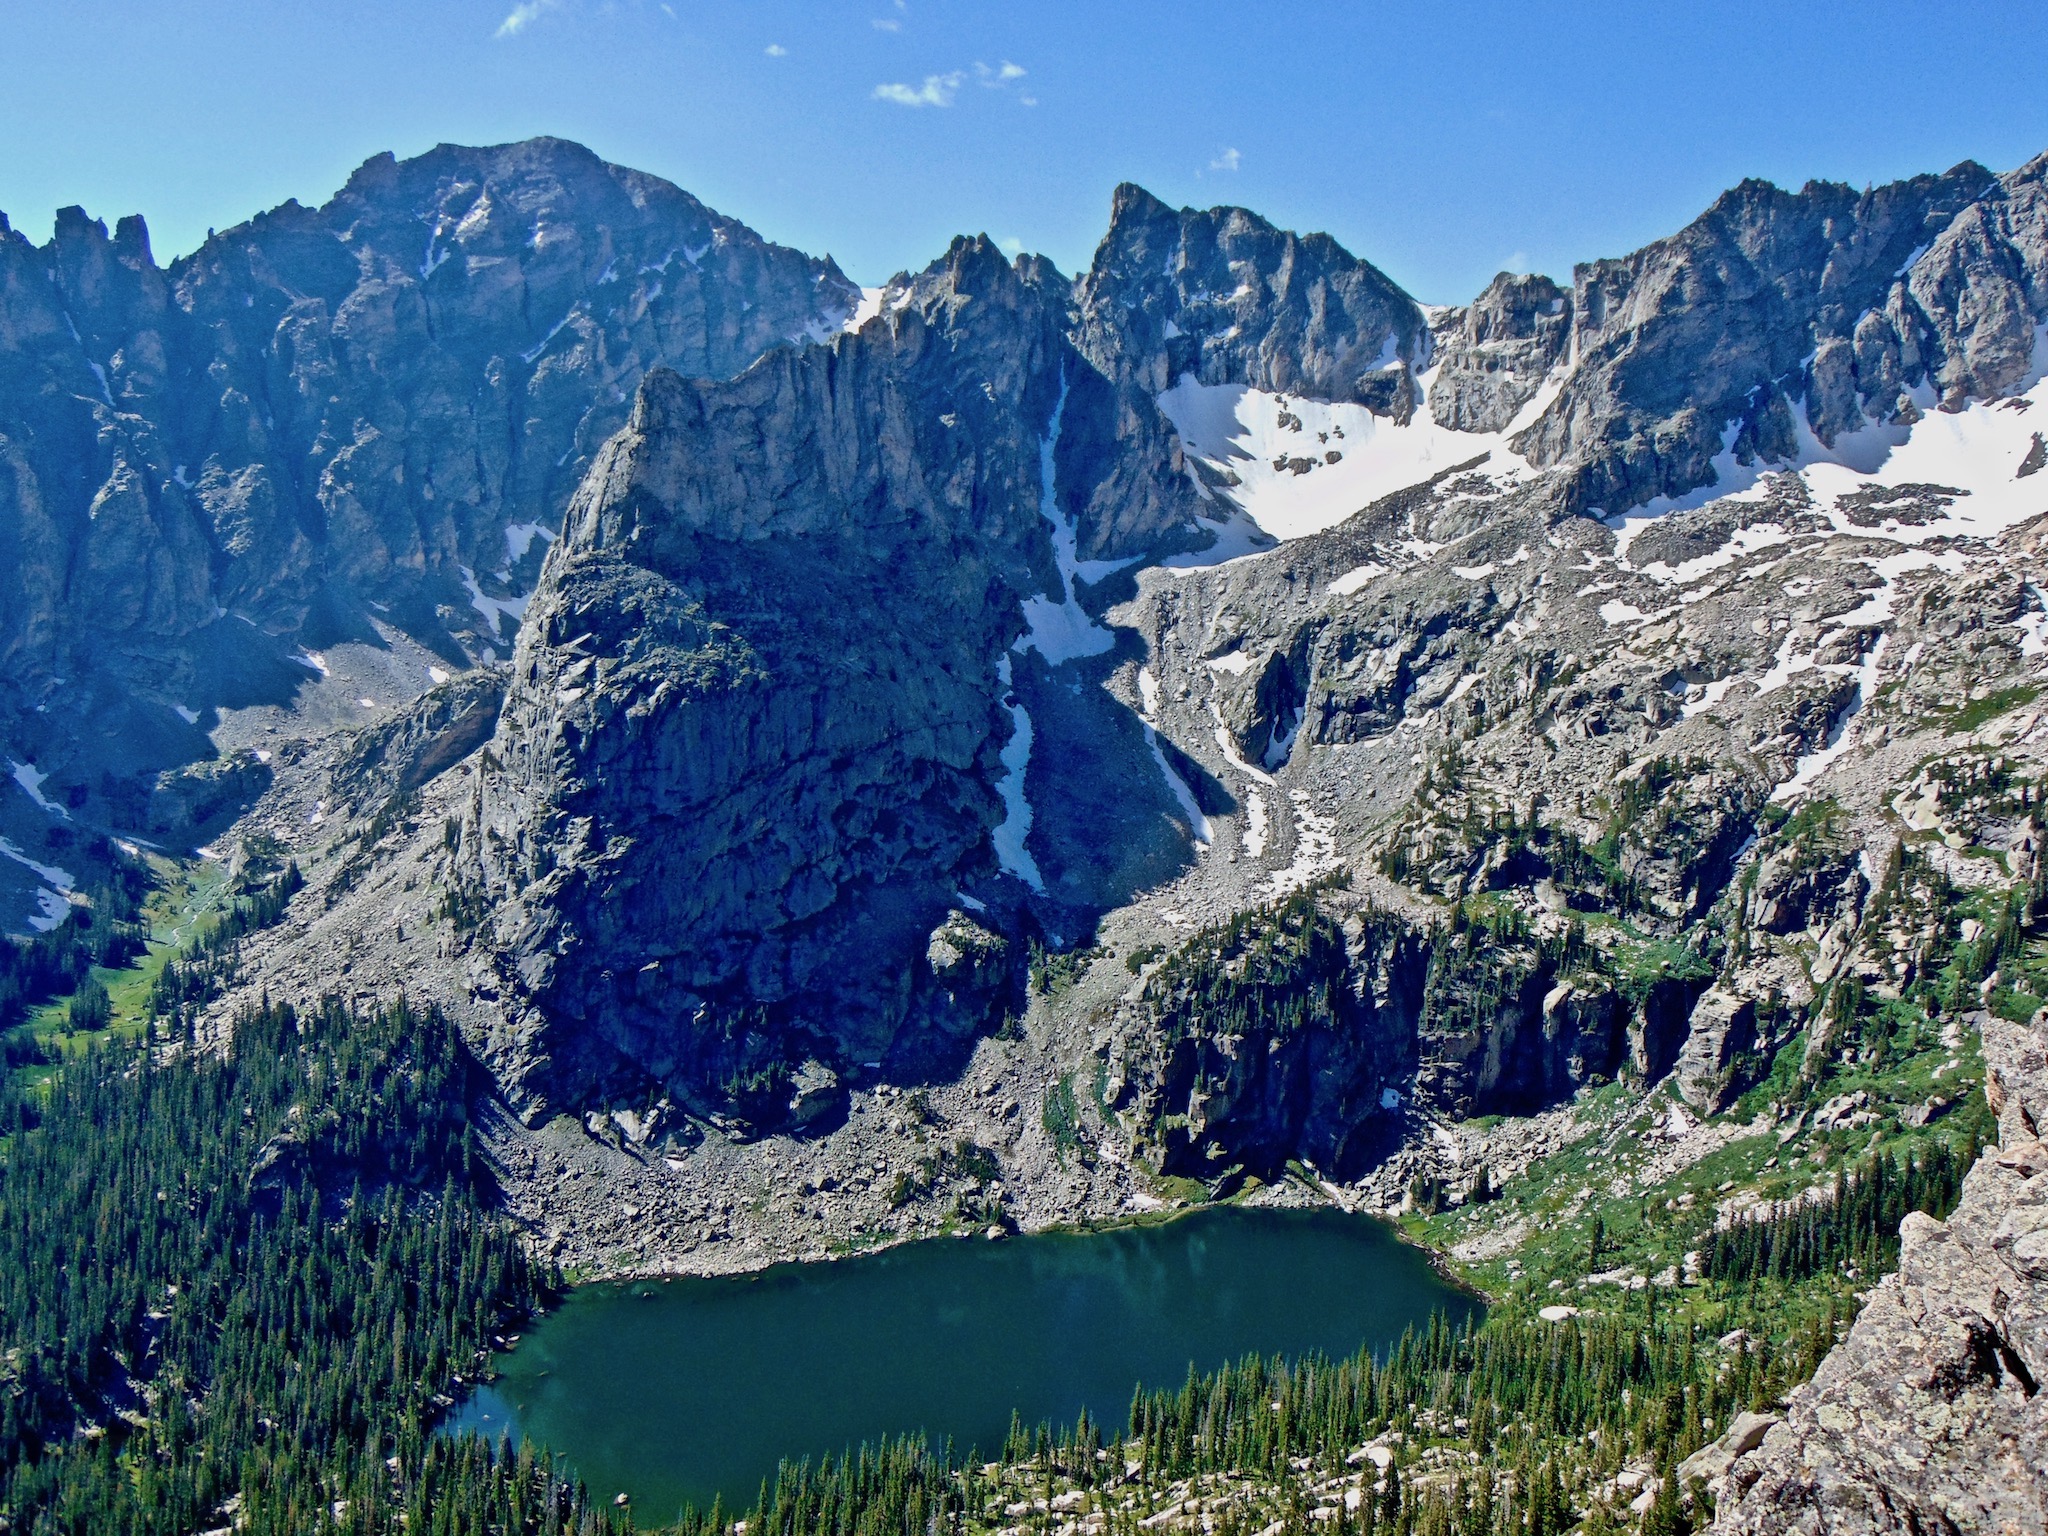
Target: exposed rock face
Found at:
x=1721, y=1028
x=1826, y=301
x=1931, y=1416
x=443, y=726
x=1493, y=356
x=750, y=748
x=1225, y=296
x=1279, y=1035
x=383, y=401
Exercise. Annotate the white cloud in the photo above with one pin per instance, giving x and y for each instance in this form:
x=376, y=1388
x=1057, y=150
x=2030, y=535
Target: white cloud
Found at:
x=1012, y=244
x=1229, y=160
x=524, y=15
x=1517, y=263
x=937, y=91
x=775, y=51
x=886, y=24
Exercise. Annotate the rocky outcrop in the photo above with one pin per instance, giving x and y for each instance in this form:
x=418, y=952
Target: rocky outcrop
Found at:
x=1931, y=1414
x=750, y=749
x=1284, y=1033
x=1224, y=296
x=1493, y=355
x=373, y=410
x=437, y=730
x=1722, y=1028
x=1775, y=309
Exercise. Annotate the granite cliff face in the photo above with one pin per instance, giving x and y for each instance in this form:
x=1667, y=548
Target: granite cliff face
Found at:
x=1778, y=317
x=1626, y=710
x=1494, y=355
x=750, y=756
x=333, y=419
x=1226, y=297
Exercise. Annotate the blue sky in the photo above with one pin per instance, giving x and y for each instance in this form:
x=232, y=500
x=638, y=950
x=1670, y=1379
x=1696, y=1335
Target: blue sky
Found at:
x=1444, y=141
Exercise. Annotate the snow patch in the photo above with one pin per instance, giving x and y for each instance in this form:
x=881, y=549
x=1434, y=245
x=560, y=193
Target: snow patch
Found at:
x=492, y=608
x=52, y=897
x=436, y=256
x=519, y=539
x=870, y=306
x=1815, y=763
x=1315, y=848
x=1975, y=451
x=31, y=783
x=1231, y=755
x=556, y=330
x=51, y=873
x=1256, y=826
x=1198, y=823
x=1011, y=836
x=1282, y=742
x=2031, y=624
x=1057, y=627
x=1288, y=481
x=1355, y=579
x=1710, y=695
x=1148, y=693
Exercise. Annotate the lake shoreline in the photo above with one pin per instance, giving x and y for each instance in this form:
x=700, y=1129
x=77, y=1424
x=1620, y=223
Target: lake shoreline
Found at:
x=943, y=1338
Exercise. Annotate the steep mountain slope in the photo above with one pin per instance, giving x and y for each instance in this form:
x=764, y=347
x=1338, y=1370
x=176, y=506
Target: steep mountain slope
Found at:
x=352, y=423
x=1705, y=340
x=1930, y=1415
x=1225, y=296
x=1568, y=762
x=753, y=741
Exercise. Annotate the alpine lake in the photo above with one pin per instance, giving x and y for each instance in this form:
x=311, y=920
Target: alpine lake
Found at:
x=675, y=1391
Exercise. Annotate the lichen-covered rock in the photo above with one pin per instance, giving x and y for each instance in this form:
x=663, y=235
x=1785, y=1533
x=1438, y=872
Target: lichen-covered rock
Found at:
x=1931, y=1414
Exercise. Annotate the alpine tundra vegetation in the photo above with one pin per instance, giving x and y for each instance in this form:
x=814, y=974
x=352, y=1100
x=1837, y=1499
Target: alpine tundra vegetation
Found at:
x=553, y=738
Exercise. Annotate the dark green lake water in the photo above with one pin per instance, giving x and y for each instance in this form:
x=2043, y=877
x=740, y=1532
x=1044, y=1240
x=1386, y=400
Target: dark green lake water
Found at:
x=671, y=1392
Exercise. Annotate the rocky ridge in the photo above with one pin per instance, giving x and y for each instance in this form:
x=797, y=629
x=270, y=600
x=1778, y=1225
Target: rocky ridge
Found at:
x=1326, y=706
x=763, y=670
x=1930, y=1415
x=1461, y=803
x=357, y=423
